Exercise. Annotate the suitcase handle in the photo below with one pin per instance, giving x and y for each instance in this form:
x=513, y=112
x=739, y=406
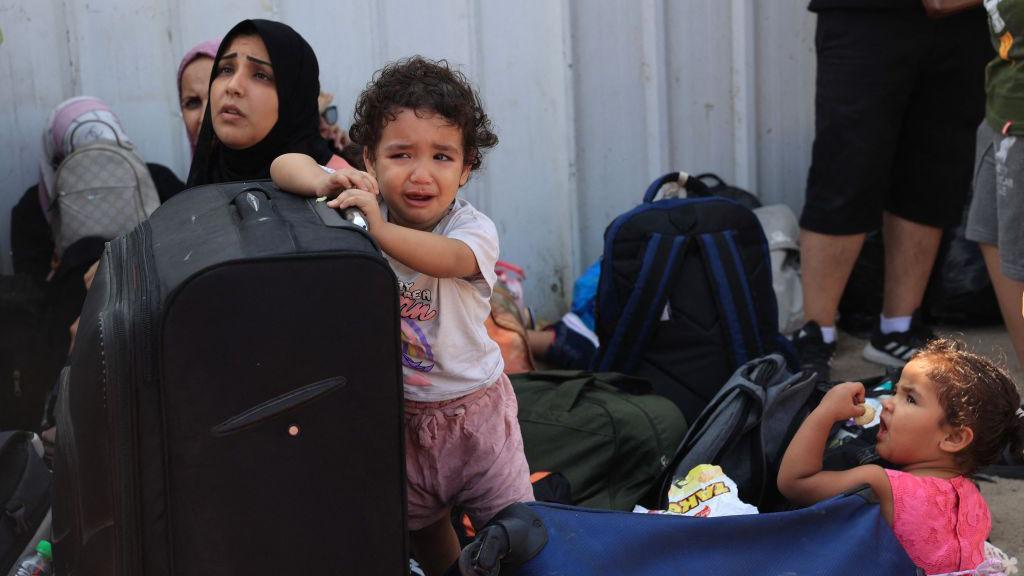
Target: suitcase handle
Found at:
x=262, y=231
x=336, y=218
x=692, y=185
x=253, y=205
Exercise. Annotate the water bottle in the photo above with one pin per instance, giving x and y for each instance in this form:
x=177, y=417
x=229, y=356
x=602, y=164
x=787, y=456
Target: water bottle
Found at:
x=38, y=564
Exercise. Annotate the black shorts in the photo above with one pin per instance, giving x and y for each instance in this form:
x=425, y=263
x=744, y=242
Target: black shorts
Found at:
x=898, y=99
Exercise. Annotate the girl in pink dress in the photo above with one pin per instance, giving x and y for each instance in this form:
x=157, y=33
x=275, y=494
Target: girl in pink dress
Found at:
x=953, y=412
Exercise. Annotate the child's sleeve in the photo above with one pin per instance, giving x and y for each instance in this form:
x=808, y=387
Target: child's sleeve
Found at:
x=478, y=232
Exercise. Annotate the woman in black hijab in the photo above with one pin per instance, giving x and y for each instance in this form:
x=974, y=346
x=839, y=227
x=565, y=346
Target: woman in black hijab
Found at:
x=263, y=103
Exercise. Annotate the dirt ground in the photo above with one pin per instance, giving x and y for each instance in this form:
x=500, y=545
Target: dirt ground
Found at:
x=1005, y=496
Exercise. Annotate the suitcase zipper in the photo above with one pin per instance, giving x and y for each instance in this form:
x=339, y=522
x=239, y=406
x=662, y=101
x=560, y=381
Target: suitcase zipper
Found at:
x=130, y=360
x=141, y=303
x=121, y=403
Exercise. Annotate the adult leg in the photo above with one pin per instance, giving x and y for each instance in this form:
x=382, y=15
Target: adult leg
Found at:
x=825, y=265
x=931, y=177
x=1008, y=292
x=865, y=63
x=436, y=546
x=865, y=68
x=826, y=262
x=910, y=250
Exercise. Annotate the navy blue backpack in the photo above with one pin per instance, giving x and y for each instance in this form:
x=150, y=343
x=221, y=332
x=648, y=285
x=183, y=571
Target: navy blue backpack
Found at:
x=685, y=295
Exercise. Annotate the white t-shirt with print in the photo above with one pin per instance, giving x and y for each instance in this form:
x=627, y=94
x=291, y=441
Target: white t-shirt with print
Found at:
x=446, y=352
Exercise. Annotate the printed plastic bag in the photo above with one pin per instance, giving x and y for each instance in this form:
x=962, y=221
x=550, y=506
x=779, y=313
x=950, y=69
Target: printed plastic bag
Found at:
x=705, y=492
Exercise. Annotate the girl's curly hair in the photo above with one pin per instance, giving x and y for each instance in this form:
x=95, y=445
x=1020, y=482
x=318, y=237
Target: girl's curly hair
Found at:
x=424, y=86
x=976, y=393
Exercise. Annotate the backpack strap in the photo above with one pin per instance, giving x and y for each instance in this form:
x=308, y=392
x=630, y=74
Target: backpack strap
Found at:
x=658, y=271
x=747, y=297
x=715, y=431
x=732, y=295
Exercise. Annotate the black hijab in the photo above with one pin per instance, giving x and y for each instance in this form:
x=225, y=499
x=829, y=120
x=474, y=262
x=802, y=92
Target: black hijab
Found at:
x=298, y=117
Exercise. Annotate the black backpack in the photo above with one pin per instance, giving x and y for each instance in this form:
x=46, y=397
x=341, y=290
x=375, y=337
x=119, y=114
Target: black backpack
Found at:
x=720, y=187
x=685, y=295
x=746, y=429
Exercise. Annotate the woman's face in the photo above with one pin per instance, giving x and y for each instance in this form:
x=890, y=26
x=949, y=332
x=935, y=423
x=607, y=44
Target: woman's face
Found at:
x=195, y=90
x=243, y=96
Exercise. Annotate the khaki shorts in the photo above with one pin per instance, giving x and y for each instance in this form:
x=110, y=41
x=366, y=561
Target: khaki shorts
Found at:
x=467, y=452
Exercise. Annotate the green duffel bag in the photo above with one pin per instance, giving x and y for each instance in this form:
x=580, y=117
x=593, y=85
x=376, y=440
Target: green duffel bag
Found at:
x=609, y=434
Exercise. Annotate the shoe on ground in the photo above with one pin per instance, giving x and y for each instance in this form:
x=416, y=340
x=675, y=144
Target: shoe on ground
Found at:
x=815, y=355
x=897, y=348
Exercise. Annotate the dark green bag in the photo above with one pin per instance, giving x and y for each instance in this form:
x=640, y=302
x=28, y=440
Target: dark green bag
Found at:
x=609, y=434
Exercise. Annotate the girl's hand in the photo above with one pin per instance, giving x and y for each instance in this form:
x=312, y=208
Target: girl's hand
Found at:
x=843, y=401
x=348, y=178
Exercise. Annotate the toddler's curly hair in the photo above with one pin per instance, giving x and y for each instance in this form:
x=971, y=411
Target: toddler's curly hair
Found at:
x=425, y=86
x=976, y=393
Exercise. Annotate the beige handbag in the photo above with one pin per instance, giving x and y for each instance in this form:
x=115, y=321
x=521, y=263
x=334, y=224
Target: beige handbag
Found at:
x=943, y=8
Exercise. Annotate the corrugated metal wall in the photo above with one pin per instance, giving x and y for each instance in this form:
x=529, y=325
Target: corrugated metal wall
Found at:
x=592, y=99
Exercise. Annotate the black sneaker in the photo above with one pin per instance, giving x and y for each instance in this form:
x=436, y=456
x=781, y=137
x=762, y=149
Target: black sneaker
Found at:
x=896, y=348
x=815, y=355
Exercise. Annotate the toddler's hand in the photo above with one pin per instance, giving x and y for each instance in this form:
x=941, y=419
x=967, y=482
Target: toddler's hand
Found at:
x=843, y=401
x=346, y=179
x=361, y=199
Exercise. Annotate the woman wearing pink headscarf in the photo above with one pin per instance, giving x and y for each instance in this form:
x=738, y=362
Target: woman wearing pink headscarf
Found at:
x=194, y=85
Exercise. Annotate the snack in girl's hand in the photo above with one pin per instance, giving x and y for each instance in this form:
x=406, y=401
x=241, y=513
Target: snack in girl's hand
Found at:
x=865, y=418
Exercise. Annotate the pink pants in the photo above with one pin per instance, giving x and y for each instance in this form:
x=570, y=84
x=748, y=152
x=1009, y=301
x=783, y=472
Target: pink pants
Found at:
x=466, y=451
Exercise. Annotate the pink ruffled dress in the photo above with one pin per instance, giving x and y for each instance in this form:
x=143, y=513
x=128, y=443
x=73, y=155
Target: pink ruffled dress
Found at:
x=941, y=523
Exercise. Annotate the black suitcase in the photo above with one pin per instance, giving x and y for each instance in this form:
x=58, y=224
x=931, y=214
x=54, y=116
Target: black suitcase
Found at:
x=234, y=402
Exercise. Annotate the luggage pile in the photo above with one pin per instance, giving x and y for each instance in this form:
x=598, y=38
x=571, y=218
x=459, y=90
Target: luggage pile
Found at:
x=294, y=310
x=684, y=300
x=692, y=369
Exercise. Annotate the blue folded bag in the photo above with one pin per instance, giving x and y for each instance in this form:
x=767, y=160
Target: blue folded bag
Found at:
x=842, y=536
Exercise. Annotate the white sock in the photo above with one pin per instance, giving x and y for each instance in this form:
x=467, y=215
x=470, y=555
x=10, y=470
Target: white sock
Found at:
x=897, y=324
x=828, y=334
